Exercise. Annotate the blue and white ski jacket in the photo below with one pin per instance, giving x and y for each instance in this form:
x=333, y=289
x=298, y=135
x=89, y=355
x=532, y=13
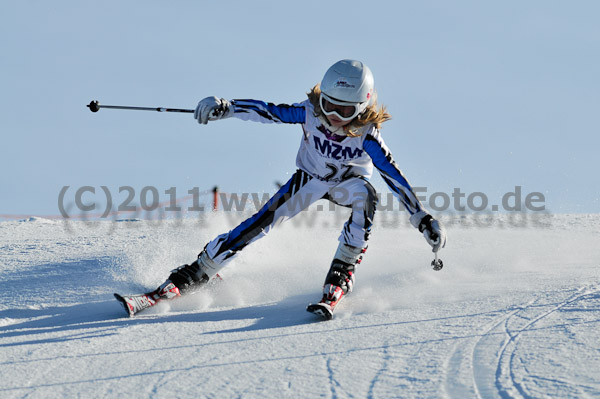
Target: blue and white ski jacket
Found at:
x=330, y=157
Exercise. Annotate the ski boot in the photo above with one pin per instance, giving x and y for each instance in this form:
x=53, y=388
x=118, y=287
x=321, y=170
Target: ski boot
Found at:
x=339, y=280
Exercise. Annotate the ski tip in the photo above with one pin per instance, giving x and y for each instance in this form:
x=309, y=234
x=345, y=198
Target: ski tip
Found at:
x=128, y=308
x=321, y=310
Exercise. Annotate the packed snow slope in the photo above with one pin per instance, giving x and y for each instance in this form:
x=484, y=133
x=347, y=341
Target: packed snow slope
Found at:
x=514, y=313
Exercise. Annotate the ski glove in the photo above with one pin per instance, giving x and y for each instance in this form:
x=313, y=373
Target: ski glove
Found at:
x=212, y=109
x=432, y=230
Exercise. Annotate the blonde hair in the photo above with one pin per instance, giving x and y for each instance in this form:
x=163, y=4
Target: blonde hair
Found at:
x=372, y=114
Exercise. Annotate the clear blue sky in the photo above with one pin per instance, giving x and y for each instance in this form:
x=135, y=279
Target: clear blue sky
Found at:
x=484, y=95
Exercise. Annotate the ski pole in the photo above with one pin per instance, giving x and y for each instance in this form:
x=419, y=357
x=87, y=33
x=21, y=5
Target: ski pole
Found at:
x=437, y=264
x=95, y=106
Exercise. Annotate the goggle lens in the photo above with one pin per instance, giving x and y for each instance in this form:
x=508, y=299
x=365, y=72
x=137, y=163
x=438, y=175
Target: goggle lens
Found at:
x=345, y=111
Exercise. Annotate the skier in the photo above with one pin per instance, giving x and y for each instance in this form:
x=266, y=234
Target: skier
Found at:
x=340, y=144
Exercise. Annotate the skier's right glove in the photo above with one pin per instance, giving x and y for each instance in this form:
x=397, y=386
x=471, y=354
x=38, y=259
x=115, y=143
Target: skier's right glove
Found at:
x=212, y=109
x=432, y=230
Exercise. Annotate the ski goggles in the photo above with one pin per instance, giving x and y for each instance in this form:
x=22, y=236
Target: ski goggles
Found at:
x=343, y=110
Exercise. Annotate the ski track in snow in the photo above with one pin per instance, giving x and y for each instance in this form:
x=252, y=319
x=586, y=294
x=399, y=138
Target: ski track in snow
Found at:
x=514, y=314
x=505, y=380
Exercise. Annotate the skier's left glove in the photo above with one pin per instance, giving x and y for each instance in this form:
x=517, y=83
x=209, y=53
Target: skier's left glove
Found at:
x=212, y=109
x=432, y=230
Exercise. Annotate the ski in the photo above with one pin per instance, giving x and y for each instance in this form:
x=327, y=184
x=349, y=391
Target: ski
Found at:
x=321, y=309
x=136, y=303
x=328, y=304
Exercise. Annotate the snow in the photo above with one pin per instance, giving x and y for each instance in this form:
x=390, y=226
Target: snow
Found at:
x=513, y=314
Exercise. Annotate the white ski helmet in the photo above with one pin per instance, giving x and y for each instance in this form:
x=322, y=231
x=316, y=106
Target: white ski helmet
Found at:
x=347, y=83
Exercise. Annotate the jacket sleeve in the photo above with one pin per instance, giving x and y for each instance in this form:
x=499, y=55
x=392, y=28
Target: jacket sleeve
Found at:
x=260, y=111
x=391, y=174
